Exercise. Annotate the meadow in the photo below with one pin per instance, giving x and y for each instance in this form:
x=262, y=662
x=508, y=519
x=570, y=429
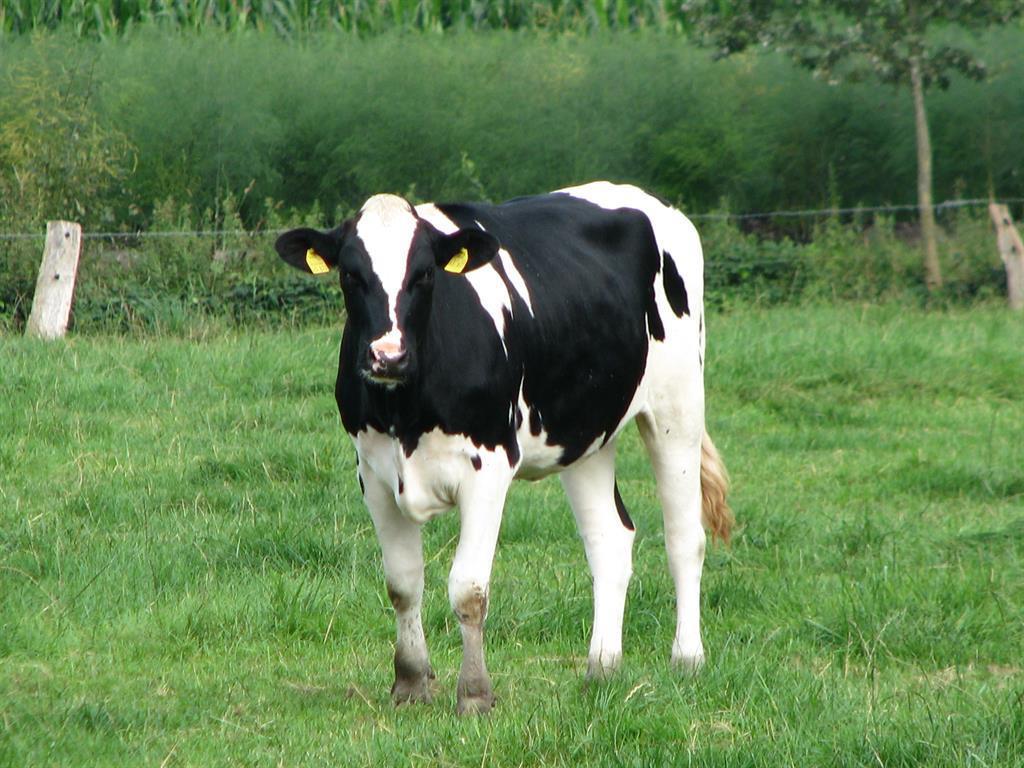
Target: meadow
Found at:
x=187, y=575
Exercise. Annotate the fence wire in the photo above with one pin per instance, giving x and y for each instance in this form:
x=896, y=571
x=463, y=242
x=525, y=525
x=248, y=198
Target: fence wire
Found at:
x=817, y=212
x=709, y=216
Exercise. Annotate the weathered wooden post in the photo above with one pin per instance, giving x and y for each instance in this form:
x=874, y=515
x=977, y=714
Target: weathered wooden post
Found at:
x=55, y=287
x=1011, y=251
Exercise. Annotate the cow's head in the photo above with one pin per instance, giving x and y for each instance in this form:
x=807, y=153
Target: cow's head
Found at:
x=387, y=256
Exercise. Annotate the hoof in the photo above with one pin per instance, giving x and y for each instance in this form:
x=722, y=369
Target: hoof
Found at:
x=476, y=705
x=603, y=668
x=406, y=691
x=688, y=663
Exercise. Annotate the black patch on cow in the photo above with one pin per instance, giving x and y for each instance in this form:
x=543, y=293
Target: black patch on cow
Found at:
x=675, y=288
x=654, y=324
x=477, y=463
x=463, y=380
x=401, y=487
x=700, y=336
x=513, y=451
x=535, y=425
x=590, y=273
x=519, y=418
x=362, y=488
x=620, y=507
x=578, y=357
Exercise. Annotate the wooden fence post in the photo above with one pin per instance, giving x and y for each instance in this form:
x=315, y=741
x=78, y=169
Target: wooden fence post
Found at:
x=55, y=287
x=1011, y=251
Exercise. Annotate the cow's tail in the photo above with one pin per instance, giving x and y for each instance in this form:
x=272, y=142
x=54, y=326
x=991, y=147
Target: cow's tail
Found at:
x=714, y=484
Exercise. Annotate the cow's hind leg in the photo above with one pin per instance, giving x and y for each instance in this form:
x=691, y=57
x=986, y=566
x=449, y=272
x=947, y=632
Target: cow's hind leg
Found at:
x=607, y=534
x=401, y=545
x=674, y=446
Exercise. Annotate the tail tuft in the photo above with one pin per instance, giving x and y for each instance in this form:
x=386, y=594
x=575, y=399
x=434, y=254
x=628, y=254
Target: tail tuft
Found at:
x=714, y=484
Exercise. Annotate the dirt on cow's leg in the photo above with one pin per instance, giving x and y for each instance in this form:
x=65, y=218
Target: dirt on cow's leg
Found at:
x=412, y=667
x=475, y=695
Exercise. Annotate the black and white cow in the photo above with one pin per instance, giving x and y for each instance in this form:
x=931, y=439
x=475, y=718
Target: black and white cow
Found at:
x=490, y=342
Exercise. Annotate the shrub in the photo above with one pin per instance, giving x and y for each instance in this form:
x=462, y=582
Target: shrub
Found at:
x=58, y=157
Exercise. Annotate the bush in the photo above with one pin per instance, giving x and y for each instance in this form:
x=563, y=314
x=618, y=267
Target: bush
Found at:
x=59, y=158
x=190, y=269
x=333, y=118
x=860, y=260
x=253, y=132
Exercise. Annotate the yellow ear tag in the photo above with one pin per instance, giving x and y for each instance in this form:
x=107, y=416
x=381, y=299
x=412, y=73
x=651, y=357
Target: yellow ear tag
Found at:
x=457, y=263
x=316, y=263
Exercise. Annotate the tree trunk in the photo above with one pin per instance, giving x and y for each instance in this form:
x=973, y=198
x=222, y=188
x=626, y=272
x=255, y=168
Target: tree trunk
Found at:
x=932, y=270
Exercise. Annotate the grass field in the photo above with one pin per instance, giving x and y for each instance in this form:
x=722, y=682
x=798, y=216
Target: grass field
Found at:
x=187, y=576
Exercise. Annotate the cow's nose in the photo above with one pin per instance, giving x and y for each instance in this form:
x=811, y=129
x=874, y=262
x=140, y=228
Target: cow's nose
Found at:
x=388, y=359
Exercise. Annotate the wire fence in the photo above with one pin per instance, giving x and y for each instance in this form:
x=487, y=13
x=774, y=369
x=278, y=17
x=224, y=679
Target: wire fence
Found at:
x=939, y=208
x=780, y=257
x=165, y=279
x=863, y=209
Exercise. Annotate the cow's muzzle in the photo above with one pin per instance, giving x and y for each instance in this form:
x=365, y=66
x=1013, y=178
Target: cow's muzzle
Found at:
x=387, y=363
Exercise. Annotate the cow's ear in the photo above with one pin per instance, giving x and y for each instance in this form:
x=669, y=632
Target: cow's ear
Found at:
x=311, y=250
x=465, y=250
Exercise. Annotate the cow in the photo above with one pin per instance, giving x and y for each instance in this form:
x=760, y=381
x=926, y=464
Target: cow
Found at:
x=485, y=343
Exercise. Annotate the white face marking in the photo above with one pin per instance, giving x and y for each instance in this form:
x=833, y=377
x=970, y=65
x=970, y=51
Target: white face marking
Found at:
x=386, y=227
x=389, y=343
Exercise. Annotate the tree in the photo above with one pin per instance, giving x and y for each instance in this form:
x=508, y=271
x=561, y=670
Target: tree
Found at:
x=893, y=41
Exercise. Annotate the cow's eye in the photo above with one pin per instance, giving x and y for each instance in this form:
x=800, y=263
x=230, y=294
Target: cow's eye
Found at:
x=352, y=279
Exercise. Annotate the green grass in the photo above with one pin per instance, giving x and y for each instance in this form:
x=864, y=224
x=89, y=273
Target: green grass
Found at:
x=187, y=576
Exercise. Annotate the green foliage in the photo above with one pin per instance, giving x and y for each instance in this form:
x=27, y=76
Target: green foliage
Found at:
x=21, y=258
x=178, y=279
x=189, y=576
x=856, y=261
x=881, y=38
x=896, y=42
x=289, y=18
x=252, y=132
x=335, y=119
x=58, y=157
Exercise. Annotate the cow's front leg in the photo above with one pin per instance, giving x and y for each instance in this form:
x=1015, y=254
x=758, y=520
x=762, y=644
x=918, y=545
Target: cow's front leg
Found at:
x=480, y=509
x=401, y=545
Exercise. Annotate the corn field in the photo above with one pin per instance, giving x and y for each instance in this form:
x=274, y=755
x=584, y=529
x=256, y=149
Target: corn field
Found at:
x=104, y=18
